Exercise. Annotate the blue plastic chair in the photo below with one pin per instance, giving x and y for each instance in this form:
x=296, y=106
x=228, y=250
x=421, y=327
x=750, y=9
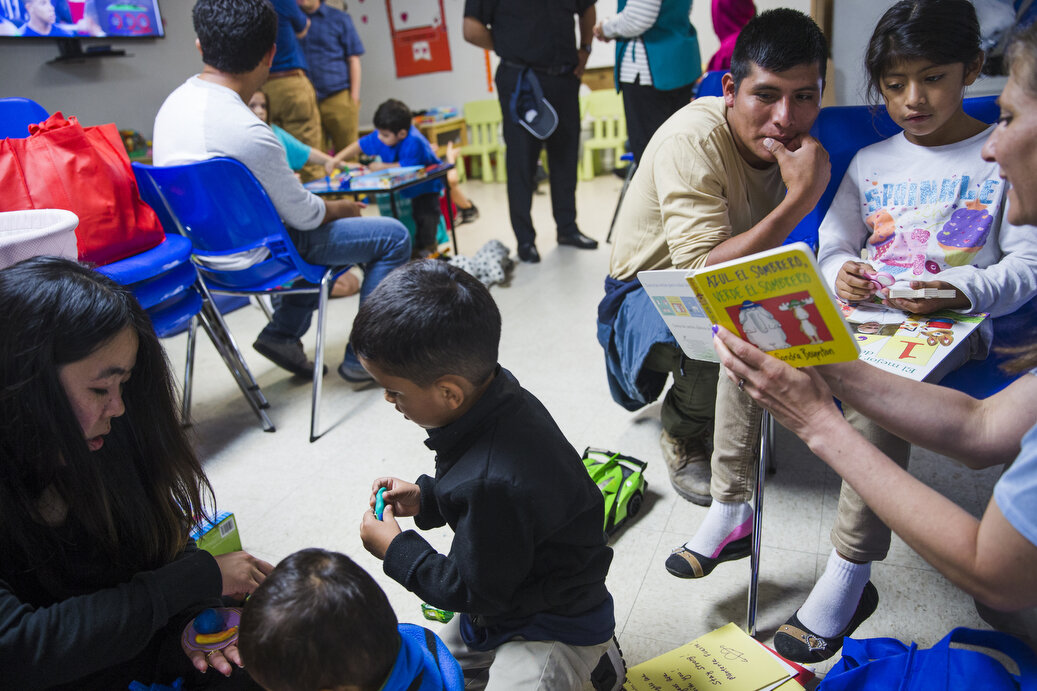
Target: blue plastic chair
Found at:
x=16, y=114
x=166, y=284
x=221, y=207
x=711, y=84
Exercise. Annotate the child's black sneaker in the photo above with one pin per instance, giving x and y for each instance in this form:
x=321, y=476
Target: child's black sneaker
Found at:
x=470, y=214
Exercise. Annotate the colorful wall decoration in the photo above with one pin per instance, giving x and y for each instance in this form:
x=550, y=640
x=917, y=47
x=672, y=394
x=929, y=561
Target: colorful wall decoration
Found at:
x=419, y=36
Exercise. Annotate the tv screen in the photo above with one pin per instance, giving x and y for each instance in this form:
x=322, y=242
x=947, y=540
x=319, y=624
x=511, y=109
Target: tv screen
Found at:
x=80, y=18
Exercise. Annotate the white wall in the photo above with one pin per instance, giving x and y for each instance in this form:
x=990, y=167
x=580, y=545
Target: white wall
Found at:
x=852, y=25
x=129, y=90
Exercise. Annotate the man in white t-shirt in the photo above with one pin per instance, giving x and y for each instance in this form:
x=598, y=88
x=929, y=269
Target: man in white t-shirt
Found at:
x=208, y=116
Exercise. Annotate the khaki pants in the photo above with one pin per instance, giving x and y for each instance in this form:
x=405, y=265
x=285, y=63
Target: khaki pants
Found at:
x=735, y=443
x=689, y=404
x=521, y=665
x=858, y=533
x=292, y=104
x=339, y=117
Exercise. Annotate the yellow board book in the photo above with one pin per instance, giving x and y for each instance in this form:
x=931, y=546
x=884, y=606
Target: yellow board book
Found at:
x=726, y=658
x=775, y=299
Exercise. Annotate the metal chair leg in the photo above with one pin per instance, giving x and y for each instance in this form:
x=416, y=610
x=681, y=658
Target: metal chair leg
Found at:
x=221, y=328
x=185, y=403
x=266, y=304
x=766, y=451
x=223, y=349
x=318, y=360
x=622, y=193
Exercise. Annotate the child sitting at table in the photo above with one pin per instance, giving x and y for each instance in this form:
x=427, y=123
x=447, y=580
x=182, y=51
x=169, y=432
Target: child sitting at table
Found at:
x=298, y=155
x=397, y=142
x=320, y=621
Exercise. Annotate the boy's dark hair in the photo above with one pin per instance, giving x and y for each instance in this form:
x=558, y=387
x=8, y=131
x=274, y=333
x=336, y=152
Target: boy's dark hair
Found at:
x=234, y=34
x=393, y=115
x=778, y=40
x=940, y=31
x=428, y=319
x=318, y=621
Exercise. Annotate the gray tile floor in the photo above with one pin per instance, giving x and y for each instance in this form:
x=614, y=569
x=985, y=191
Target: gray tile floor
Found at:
x=288, y=493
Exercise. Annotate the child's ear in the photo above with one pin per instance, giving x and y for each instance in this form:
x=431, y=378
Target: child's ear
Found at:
x=452, y=390
x=402, y=134
x=973, y=68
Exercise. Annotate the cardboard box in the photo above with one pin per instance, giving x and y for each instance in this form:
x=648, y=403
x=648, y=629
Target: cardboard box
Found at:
x=218, y=537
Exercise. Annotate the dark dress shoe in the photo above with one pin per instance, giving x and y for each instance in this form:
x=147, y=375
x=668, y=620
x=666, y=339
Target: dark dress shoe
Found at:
x=578, y=240
x=528, y=253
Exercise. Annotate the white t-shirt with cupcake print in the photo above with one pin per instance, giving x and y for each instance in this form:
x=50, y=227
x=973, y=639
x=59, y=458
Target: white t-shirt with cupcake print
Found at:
x=932, y=213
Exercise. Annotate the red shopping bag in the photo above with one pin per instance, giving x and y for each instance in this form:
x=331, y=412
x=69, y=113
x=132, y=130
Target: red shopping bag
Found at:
x=63, y=165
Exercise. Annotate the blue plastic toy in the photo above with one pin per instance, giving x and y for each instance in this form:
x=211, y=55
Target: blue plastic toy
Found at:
x=379, y=503
x=208, y=621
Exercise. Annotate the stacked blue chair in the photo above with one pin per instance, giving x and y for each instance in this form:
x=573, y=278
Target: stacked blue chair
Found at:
x=16, y=114
x=241, y=246
x=166, y=284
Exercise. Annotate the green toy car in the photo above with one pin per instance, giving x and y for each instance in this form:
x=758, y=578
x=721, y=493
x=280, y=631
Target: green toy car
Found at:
x=621, y=481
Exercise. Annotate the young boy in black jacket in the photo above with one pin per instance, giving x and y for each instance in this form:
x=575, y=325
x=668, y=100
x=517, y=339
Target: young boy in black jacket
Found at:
x=527, y=565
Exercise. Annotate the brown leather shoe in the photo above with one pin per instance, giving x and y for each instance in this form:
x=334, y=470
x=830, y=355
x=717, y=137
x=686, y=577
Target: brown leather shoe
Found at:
x=687, y=461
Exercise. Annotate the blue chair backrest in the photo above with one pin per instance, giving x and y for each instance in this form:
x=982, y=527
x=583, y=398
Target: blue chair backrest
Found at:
x=845, y=130
x=221, y=207
x=16, y=114
x=711, y=84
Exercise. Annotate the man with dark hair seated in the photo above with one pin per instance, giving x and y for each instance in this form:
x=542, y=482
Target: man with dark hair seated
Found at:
x=208, y=116
x=723, y=178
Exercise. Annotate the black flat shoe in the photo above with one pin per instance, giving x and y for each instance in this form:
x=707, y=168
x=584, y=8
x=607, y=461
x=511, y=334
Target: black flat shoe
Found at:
x=683, y=563
x=799, y=644
x=578, y=240
x=527, y=252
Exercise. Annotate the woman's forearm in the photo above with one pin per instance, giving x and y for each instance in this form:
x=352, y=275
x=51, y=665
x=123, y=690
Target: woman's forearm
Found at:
x=988, y=559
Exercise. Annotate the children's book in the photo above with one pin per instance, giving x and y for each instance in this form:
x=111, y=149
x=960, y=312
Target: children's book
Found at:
x=723, y=659
x=921, y=293
x=775, y=299
x=911, y=345
x=390, y=177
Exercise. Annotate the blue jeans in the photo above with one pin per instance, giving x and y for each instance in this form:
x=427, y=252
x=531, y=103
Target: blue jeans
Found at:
x=375, y=243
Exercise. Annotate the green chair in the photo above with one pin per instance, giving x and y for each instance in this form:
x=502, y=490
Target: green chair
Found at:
x=609, y=127
x=484, y=137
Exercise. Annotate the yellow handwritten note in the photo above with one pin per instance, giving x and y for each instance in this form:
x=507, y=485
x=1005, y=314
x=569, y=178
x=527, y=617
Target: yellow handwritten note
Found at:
x=723, y=659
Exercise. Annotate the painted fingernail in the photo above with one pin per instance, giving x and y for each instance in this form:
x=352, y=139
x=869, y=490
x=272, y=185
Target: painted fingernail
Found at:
x=714, y=329
x=768, y=142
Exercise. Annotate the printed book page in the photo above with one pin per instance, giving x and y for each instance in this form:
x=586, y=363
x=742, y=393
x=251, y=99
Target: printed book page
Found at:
x=676, y=303
x=723, y=659
x=909, y=345
x=777, y=300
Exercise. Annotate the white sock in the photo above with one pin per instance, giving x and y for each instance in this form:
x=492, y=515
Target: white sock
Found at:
x=835, y=596
x=724, y=523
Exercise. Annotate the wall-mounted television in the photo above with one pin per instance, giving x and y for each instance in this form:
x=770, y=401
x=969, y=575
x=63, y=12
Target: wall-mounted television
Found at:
x=70, y=19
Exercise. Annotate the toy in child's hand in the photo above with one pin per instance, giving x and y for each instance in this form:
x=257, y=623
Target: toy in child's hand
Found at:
x=217, y=629
x=435, y=613
x=880, y=279
x=379, y=503
x=208, y=621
